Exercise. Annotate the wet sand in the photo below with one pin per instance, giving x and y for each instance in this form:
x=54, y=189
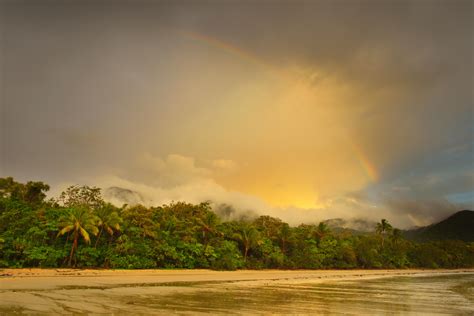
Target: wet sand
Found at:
x=12, y=279
x=59, y=291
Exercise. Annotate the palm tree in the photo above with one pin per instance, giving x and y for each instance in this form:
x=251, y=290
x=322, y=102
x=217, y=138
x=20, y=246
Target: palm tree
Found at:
x=108, y=220
x=81, y=222
x=383, y=228
x=249, y=237
x=284, y=236
x=396, y=235
x=322, y=230
x=208, y=226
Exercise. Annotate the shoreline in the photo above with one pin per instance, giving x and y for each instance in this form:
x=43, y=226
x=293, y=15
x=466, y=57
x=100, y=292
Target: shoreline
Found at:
x=36, y=278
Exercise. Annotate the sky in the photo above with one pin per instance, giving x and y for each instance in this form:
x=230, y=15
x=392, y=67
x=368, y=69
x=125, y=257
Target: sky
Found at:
x=304, y=110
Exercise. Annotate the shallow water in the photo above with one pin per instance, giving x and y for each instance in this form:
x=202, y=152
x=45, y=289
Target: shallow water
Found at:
x=414, y=295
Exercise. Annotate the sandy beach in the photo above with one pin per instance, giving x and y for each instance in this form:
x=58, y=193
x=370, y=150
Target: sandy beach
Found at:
x=58, y=291
x=22, y=279
x=33, y=279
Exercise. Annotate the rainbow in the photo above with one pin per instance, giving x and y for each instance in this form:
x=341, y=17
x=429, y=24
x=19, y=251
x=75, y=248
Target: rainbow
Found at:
x=362, y=158
x=364, y=161
x=231, y=49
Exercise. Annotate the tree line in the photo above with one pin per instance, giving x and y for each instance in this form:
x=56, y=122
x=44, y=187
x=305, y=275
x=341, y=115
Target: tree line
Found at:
x=79, y=229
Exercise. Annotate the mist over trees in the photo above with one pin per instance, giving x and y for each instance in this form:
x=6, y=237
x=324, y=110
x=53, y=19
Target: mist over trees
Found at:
x=79, y=229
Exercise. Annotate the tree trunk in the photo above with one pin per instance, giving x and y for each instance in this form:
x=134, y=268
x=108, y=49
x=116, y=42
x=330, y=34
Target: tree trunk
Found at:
x=74, y=246
x=98, y=236
x=246, y=250
x=67, y=238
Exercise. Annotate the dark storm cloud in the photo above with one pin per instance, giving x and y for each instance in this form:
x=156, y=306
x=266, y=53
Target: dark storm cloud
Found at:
x=87, y=86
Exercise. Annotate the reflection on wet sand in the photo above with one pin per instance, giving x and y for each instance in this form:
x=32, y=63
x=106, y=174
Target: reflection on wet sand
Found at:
x=414, y=294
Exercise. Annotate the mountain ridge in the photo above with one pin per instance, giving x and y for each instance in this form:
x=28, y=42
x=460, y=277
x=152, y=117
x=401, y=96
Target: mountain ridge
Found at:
x=459, y=225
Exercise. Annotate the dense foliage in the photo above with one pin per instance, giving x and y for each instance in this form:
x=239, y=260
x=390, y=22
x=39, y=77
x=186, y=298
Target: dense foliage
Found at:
x=79, y=229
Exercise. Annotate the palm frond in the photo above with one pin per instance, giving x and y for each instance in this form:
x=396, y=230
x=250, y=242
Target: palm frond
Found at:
x=65, y=229
x=85, y=235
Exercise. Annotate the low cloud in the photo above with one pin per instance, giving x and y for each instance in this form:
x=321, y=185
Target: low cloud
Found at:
x=179, y=178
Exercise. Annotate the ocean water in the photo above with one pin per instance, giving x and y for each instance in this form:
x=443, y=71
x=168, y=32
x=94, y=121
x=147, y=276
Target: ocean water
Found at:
x=451, y=294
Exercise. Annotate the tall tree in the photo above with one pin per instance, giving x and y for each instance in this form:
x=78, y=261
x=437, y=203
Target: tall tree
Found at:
x=322, y=230
x=76, y=195
x=141, y=217
x=208, y=224
x=285, y=235
x=33, y=192
x=248, y=236
x=81, y=223
x=270, y=227
x=108, y=220
x=383, y=228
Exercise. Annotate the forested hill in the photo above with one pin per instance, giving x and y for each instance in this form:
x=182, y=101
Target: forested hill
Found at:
x=459, y=226
x=79, y=229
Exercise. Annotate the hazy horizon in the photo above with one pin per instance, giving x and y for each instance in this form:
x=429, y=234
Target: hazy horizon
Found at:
x=300, y=110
